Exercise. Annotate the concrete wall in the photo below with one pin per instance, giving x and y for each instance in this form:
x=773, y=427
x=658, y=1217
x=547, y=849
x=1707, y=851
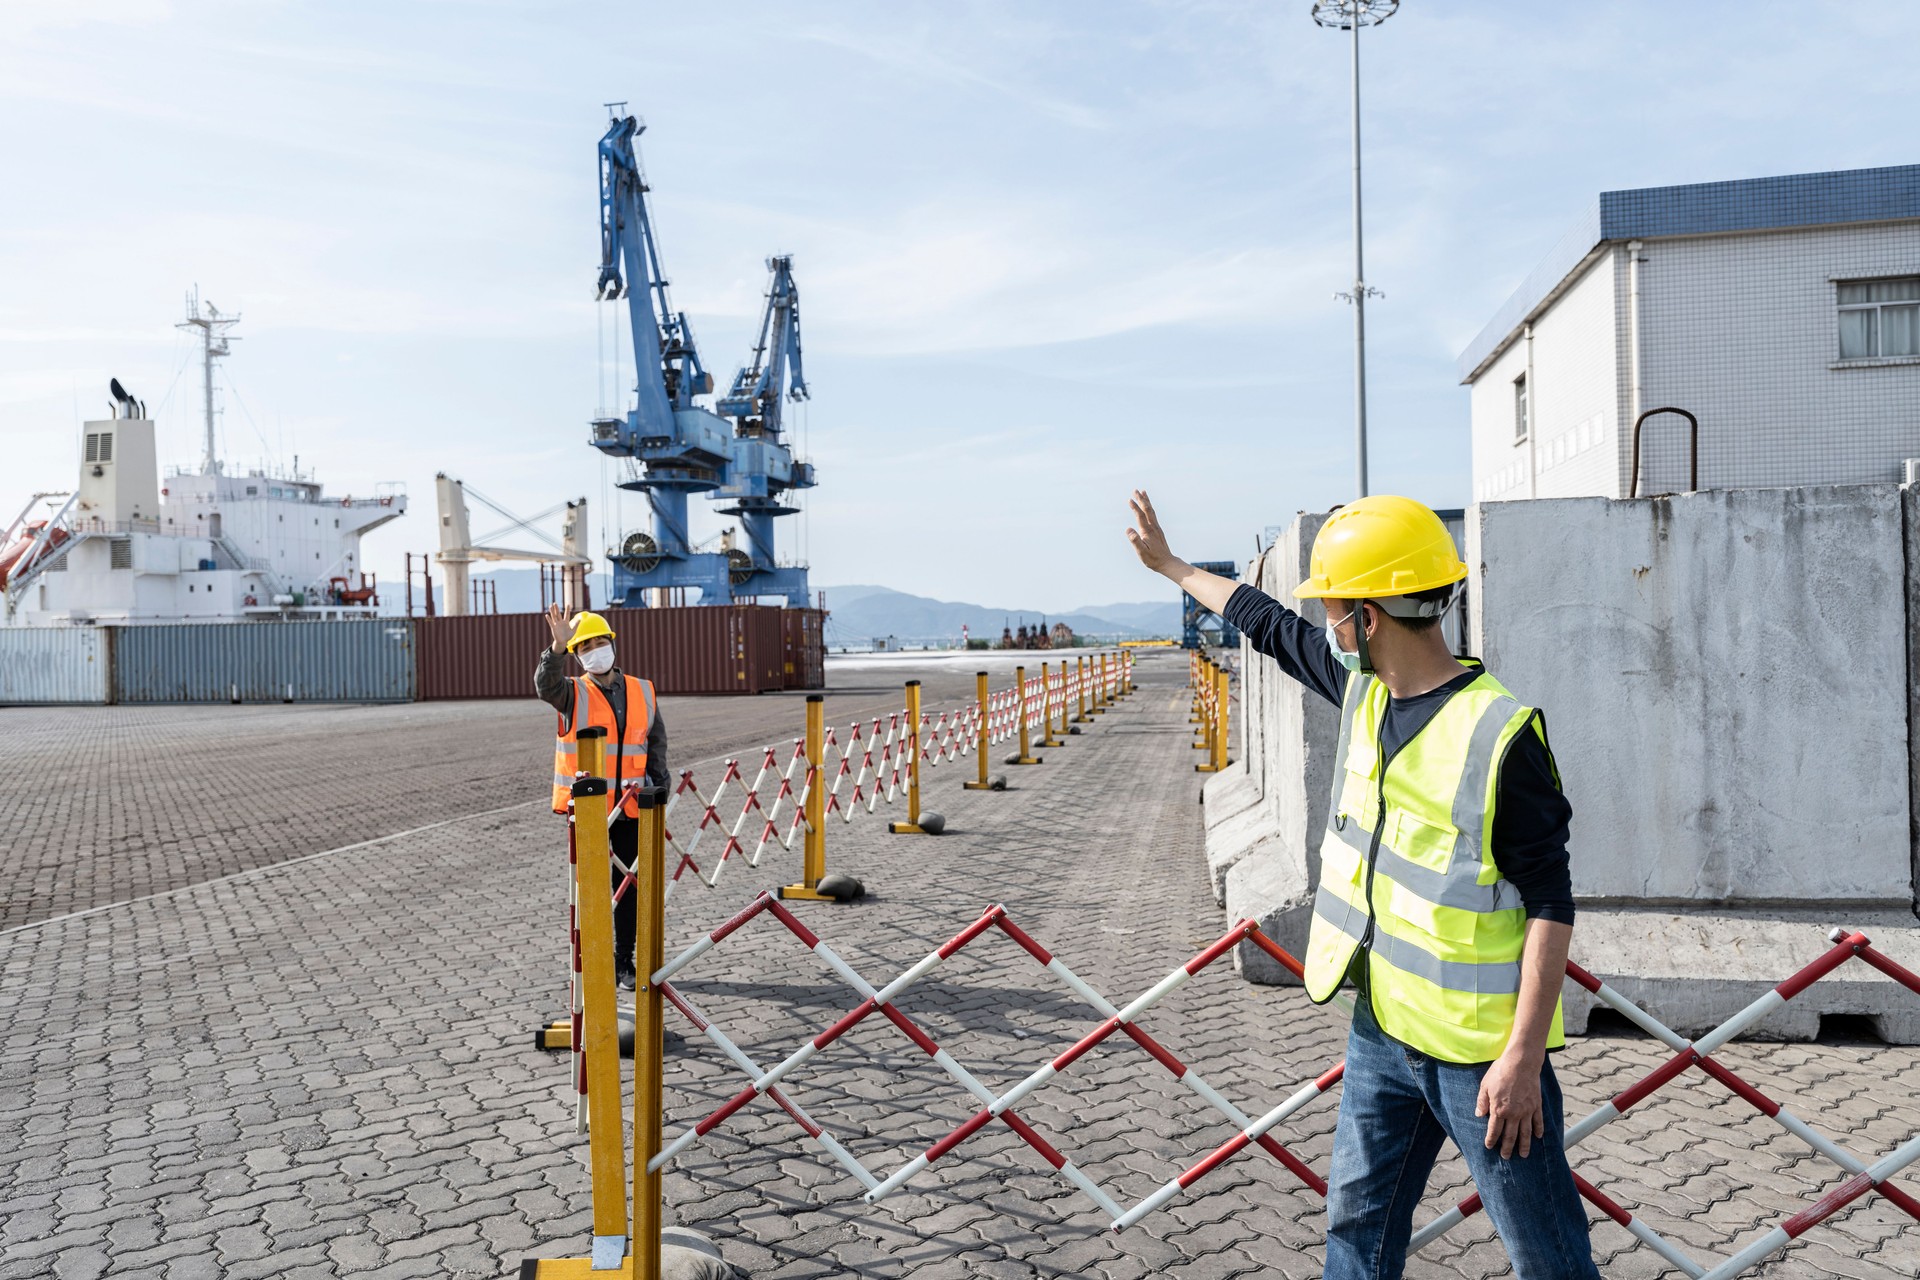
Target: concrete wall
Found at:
x=1725, y=681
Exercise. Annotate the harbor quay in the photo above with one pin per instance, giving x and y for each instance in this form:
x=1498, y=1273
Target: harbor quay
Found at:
x=278, y=1021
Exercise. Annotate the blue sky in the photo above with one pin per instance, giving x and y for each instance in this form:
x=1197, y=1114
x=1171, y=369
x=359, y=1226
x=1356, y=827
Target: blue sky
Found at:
x=1046, y=252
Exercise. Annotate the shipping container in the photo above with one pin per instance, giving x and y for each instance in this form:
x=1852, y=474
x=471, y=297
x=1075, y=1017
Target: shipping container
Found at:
x=805, y=642
x=55, y=665
x=692, y=650
x=345, y=661
x=483, y=656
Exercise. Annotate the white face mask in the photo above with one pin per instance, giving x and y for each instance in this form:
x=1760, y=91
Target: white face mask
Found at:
x=598, y=661
x=1351, y=661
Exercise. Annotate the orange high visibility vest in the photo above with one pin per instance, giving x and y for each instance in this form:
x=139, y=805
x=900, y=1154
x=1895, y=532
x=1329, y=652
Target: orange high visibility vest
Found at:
x=626, y=758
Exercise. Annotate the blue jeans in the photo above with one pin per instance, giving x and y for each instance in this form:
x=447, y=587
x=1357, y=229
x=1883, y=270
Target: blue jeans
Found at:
x=1396, y=1108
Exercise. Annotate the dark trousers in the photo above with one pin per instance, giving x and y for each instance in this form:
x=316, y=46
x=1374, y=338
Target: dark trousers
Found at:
x=624, y=835
x=1397, y=1108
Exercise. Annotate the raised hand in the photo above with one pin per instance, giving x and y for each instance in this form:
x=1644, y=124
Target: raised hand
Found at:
x=557, y=624
x=1148, y=540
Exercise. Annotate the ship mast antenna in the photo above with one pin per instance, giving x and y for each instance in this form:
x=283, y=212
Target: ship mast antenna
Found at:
x=213, y=345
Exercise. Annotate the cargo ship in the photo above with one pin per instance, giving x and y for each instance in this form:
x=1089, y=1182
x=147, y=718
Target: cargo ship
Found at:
x=207, y=545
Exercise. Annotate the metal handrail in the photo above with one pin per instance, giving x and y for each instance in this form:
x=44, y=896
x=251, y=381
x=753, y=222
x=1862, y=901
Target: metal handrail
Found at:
x=1693, y=450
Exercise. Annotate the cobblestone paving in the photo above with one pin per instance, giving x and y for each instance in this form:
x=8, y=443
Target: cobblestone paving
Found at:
x=106, y=804
x=323, y=1068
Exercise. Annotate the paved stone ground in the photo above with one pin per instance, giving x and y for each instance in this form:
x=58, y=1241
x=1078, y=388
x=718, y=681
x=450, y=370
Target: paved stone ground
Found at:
x=105, y=804
x=322, y=1068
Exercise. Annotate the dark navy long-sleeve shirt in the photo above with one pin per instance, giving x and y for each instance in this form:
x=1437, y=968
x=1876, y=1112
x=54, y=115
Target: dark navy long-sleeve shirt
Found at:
x=1530, y=817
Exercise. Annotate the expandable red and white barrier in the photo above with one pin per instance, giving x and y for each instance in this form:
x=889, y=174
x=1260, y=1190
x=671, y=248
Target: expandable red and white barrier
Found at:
x=1861, y=1177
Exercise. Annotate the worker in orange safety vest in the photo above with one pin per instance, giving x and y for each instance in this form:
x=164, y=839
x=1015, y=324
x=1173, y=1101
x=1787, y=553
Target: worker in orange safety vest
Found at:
x=636, y=737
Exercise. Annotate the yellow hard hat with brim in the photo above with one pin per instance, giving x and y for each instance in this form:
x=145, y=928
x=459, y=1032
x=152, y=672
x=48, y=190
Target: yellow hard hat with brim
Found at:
x=1378, y=546
x=585, y=627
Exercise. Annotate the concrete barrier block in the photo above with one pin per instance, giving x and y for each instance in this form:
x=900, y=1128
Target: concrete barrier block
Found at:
x=1229, y=842
x=1695, y=970
x=1228, y=793
x=1721, y=674
x=1270, y=885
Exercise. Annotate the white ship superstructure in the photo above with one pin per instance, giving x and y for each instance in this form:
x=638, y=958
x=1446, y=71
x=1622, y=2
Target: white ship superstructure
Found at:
x=202, y=547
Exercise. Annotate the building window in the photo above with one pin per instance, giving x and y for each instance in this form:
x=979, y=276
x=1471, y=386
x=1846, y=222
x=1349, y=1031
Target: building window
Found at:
x=1520, y=409
x=1880, y=318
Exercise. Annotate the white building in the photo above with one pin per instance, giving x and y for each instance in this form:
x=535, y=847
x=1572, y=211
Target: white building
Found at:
x=1783, y=312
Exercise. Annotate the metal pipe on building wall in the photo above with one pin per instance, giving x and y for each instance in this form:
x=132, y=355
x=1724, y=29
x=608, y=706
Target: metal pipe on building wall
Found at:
x=1636, y=391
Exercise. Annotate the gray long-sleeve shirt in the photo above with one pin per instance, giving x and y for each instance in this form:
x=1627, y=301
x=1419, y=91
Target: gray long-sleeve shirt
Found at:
x=551, y=684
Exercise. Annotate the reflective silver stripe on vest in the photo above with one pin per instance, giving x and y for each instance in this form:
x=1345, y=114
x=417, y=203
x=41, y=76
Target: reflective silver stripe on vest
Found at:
x=1470, y=801
x=562, y=780
x=1455, y=888
x=1500, y=979
x=1350, y=703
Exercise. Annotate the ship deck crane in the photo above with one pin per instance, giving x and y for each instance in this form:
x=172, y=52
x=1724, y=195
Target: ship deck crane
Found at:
x=678, y=447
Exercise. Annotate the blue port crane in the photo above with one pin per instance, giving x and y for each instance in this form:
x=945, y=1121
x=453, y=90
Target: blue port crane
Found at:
x=678, y=448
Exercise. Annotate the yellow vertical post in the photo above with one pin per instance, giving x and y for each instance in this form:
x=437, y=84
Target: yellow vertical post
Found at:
x=1064, y=699
x=1222, y=717
x=1080, y=669
x=980, y=697
x=1046, y=707
x=1026, y=755
x=1204, y=712
x=601, y=1030
x=814, y=860
x=649, y=1030
x=933, y=824
x=1097, y=669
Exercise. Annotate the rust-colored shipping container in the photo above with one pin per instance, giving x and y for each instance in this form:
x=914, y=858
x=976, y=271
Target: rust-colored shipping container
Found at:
x=694, y=650
x=804, y=633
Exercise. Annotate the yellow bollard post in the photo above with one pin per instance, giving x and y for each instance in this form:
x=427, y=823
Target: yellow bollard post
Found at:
x=601, y=1030
x=1097, y=668
x=1025, y=755
x=1204, y=710
x=1223, y=701
x=1215, y=744
x=1080, y=685
x=1046, y=707
x=1066, y=697
x=814, y=862
x=986, y=782
x=917, y=823
x=649, y=1031
x=614, y=1253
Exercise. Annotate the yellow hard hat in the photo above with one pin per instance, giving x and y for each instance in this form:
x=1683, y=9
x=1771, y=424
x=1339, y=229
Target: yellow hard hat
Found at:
x=585, y=627
x=1380, y=546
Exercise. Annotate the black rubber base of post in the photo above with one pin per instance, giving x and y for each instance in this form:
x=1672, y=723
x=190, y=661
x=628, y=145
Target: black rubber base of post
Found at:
x=841, y=887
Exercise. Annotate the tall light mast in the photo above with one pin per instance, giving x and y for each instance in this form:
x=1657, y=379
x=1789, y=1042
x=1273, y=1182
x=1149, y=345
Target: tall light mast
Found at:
x=1351, y=15
x=214, y=341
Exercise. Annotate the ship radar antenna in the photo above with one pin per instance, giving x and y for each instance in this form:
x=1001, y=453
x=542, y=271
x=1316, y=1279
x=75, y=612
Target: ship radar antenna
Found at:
x=214, y=340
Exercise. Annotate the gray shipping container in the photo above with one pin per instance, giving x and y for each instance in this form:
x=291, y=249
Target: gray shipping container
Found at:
x=54, y=665
x=352, y=661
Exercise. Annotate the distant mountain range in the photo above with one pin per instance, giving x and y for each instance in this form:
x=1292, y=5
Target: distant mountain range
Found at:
x=859, y=614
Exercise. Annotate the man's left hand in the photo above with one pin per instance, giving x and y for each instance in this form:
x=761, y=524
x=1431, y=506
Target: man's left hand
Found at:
x=1510, y=1099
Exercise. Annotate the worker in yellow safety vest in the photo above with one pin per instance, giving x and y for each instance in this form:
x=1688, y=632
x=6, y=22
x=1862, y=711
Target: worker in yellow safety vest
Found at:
x=1445, y=896
x=636, y=743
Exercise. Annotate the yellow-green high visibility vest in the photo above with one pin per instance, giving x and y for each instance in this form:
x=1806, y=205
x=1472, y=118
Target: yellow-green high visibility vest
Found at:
x=1406, y=868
